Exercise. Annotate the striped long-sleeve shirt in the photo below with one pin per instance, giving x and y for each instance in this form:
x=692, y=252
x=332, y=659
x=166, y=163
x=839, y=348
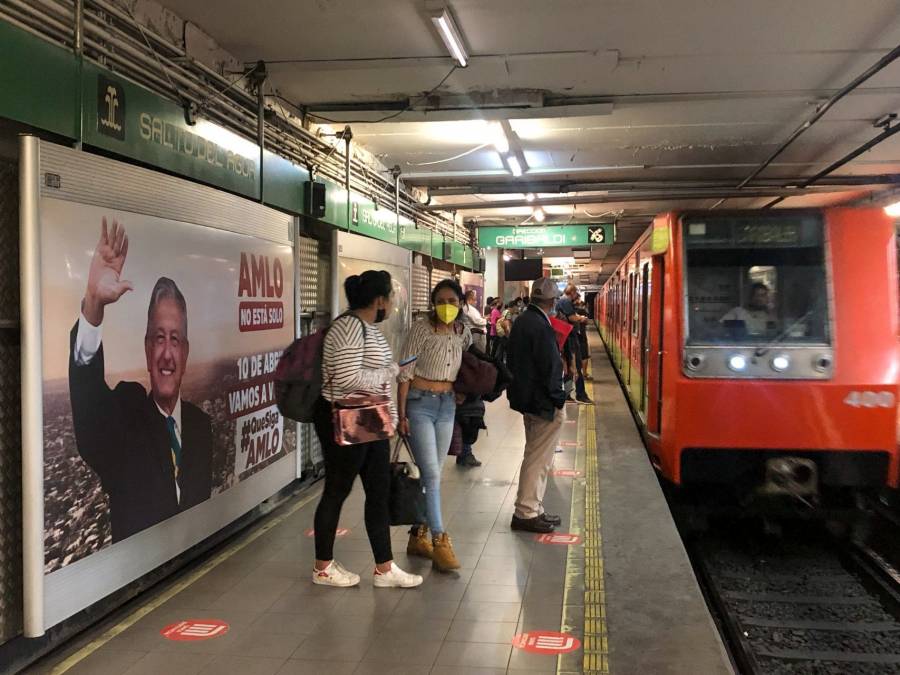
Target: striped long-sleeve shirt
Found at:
x=356, y=359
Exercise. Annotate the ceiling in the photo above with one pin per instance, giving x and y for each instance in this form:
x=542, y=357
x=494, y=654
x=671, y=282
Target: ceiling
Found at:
x=621, y=108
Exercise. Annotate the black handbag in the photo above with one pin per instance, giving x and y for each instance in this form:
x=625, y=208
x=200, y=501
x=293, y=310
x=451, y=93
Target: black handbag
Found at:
x=407, y=499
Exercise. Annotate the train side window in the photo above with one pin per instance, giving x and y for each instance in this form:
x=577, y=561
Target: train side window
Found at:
x=635, y=303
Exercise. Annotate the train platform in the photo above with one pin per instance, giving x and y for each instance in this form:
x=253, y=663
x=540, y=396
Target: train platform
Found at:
x=611, y=591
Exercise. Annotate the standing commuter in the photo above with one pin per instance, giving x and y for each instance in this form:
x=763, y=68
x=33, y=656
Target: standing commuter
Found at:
x=427, y=411
x=582, y=310
x=494, y=318
x=534, y=359
x=488, y=307
x=503, y=326
x=357, y=359
x=475, y=321
x=565, y=309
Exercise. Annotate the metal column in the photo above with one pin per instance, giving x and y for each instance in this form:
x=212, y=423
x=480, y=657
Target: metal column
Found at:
x=32, y=386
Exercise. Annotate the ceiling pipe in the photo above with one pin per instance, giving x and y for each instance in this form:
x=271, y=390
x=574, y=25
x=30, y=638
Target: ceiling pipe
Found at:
x=627, y=197
x=647, y=184
x=823, y=108
x=849, y=157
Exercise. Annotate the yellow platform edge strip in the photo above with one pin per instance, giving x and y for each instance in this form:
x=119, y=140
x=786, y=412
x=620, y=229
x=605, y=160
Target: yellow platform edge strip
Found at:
x=594, y=644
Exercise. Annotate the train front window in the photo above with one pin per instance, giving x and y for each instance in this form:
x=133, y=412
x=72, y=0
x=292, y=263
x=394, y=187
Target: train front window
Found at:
x=753, y=279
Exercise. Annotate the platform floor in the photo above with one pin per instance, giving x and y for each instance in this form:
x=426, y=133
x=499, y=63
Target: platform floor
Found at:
x=625, y=591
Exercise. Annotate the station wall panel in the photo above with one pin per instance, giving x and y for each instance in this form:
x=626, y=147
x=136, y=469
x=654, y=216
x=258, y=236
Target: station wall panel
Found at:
x=10, y=409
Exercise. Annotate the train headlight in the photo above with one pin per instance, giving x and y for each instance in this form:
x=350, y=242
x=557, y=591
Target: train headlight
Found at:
x=737, y=363
x=781, y=363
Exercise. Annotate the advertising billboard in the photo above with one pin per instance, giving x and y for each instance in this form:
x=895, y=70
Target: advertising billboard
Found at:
x=160, y=342
x=154, y=312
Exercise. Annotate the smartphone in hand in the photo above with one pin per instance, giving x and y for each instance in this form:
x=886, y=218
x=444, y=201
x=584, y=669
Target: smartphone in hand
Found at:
x=408, y=365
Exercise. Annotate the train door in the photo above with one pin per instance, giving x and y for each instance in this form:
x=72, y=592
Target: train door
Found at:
x=644, y=335
x=655, y=325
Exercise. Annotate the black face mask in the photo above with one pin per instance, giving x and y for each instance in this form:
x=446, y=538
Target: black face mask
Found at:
x=380, y=315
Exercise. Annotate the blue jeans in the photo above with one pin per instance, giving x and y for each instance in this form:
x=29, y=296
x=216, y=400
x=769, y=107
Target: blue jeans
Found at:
x=431, y=430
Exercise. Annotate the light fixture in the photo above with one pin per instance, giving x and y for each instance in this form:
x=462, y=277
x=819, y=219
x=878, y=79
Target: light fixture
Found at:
x=893, y=210
x=529, y=197
x=781, y=363
x=501, y=142
x=515, y=167
x=538, y=214
x=737, y=363
x=451, y=36
x=507, y=257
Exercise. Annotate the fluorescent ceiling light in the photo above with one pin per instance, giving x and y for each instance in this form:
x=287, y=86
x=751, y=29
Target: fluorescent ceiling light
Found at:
x=893, y=210
x=515, y=168
x=538, y=214
x=451, y=36
x=501, y=142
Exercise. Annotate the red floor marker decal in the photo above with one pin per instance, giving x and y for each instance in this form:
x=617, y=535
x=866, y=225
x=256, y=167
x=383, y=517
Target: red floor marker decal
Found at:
x=568, y=444
x=195, y=629
x=558, y=538
x=340, y=532
x=566, y=473
x=546, y=642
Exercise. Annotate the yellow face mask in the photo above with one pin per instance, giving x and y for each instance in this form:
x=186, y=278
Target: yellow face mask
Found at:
x=447, y=313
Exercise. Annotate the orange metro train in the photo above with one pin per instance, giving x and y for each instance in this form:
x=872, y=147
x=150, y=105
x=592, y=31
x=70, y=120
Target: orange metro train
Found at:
x=759, y=351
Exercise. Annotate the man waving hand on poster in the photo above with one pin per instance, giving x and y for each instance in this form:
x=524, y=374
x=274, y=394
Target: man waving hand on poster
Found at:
x=153, y=453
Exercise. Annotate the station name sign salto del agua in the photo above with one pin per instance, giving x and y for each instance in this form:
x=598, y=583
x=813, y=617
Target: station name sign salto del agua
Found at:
x=549, y=236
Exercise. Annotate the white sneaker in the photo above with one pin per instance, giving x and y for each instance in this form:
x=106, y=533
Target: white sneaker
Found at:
x=335, y=575
x=396, y=578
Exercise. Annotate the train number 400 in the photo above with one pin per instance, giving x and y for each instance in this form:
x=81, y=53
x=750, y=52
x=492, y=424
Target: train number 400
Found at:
x=870, y=399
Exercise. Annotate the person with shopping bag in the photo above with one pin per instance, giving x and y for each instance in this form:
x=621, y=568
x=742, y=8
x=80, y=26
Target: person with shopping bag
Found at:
x=427, y=408
x=357, y=365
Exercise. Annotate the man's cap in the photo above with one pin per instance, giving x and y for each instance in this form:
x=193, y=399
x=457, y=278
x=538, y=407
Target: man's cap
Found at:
x=544, y=289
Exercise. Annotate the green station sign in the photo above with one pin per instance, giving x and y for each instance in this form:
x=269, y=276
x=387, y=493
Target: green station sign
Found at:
x=546, y=237
x=80, y=100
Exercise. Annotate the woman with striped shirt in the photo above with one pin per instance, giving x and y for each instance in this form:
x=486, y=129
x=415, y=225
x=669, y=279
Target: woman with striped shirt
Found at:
x=427, y=409
x=356, y=359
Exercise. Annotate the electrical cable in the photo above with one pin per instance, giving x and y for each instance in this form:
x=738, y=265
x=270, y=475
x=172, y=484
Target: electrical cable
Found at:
x=152, y=50
x=450, y=159
x=218, y=94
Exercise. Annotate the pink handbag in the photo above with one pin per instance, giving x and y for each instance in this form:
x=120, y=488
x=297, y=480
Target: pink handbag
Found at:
x=362, y=418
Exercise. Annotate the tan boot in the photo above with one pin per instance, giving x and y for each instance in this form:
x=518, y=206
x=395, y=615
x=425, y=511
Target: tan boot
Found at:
x=419, y=543
x=444, y=559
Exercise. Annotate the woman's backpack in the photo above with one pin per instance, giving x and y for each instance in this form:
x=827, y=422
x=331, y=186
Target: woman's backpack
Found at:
x=298, y=375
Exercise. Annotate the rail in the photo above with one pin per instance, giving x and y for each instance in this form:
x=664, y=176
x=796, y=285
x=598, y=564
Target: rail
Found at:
x=802, y=604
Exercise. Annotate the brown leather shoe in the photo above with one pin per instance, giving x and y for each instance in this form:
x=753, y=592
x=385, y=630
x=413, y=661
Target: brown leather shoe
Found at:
x=420, y=544
x=444, y=559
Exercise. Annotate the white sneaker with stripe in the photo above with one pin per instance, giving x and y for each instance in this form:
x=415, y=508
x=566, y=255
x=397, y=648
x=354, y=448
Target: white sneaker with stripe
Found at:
x=335, y=575
x=396, y=578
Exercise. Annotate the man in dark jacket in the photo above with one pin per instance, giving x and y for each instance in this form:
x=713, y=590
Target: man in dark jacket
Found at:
x=537, y=393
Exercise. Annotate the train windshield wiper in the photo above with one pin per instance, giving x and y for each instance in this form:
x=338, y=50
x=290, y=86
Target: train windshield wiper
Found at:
x=778, y=339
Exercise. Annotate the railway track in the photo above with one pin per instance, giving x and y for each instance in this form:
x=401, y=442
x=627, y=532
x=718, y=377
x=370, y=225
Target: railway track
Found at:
x=802, y=604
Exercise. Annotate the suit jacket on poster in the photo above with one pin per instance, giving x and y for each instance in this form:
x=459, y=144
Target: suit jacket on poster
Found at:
x=121, y=434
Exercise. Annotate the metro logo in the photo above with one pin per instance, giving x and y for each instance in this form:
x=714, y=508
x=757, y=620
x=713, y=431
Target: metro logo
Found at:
x=546, y=642
x=558, y=538
x=194, y=629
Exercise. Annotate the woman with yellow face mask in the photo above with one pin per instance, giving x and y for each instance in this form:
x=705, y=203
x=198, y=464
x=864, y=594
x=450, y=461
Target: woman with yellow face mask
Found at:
x=427, y=407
